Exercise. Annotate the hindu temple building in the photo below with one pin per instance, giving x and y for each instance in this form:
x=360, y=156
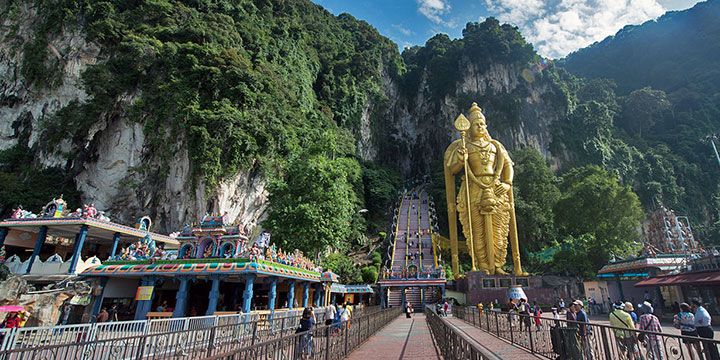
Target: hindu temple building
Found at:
x=206, y=269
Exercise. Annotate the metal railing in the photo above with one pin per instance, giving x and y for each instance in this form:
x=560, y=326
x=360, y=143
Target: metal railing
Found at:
x=322, y=342
x=29, y=337
x=565, y=339
x=453, y=344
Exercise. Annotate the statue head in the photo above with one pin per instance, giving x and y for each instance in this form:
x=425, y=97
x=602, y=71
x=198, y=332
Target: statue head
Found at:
x=478, y=128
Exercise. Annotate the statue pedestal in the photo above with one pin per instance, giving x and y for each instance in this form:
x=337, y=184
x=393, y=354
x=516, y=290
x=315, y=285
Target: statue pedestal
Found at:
x=481, y=287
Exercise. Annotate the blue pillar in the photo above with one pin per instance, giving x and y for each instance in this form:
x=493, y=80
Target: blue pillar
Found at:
x=332, y=299
x=316, y=295
x=422, y=295
x=402, y=298
x=306, y=293
x=143, y=306
x=443, y=290
x=322, y=295
x=3, y=235
x=42, y=234
x=272, y=294
x=116, y=239
x=181, y=296
x=214, y=294
x=248, y=293
x=383, y=294
x=291, y=294
x=99, y=299
x=78, y=248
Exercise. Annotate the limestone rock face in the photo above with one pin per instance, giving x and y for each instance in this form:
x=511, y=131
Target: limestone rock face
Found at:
x=115, y=169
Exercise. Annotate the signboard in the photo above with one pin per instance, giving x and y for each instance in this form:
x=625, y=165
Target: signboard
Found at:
x=82, y=300
x=144, y=293
x=349, y=298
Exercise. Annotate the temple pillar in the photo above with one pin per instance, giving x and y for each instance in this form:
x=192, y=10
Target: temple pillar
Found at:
x=619, y=286
x=77, y=252
x=42, y=234
x=248, y=293
x=322, y=295
x=383, y=295
x=316, y=296
x=99, y=299
x=214, y=294
x=181, y=296
x=3, y=234
x=306, y=294
x=402, y=297
x=272, y=294
x=333, y=298
x=442, y=288
x=422, y=298
x=116, y=240
x=291, y=293
x=143, y=306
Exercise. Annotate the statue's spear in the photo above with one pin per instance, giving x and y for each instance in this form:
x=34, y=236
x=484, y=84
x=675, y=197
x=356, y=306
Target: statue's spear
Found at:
x=462, y=124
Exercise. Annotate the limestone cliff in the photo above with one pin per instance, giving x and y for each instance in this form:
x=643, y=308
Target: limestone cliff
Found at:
x=116, y=168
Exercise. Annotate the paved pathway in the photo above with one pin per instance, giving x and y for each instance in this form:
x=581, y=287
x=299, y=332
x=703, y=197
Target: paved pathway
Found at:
x=401, y=339
x=498, y=347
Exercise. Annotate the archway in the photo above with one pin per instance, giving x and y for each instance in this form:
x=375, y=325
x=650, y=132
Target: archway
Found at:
x=206, y=248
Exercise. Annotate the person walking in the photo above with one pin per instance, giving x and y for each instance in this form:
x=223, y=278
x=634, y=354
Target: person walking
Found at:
x=64, y=314
x=585, y=331
x=626, y=340
x=703, y=325
x=446, y=308
x=102, y=316
x=649, y=322
x=330, y=313
x=628, y=308
x=408, y=310
x=537, y=312
x=685, y=321
x=307, y=322
x=573, y=347
x=112, y=313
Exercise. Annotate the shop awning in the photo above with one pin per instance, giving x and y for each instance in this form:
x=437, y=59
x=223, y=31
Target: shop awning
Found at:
x=699, y=278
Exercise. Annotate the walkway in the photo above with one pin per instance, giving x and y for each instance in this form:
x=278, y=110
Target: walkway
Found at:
x=401, y=339
x=499, y=347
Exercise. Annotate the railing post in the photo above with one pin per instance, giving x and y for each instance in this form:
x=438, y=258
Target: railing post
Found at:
x=347, y=329
x=211, y=342
x=497, y=324
x=606, y=345
x=530, y=337
x=512, y=337
x=252, y=341
x=327, y=342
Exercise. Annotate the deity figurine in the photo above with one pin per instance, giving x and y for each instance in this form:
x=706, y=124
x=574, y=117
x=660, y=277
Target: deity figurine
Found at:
x=485, y=203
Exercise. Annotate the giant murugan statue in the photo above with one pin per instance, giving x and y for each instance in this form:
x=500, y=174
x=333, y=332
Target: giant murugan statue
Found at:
x=485, y=203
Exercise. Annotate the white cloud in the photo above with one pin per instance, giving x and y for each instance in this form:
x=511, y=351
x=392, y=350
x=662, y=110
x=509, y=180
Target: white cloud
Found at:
x=405, y=31
x=433, y=9
x=558, y=27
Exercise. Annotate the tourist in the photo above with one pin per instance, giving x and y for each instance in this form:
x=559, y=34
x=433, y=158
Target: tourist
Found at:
x=102, y=316
x=12, y=320
x=438, y=309
x=585, y=331
x=524, y=309
x=626, y=340
x=685, y=321
x=649, y=322
x=537, y=312
x=113, y=313
x=306, y=340
x=408, y=310
x=561, y=305
x=330, y=314
x=64, y=314
x=628, y=308
x=572, y=338
x=446, y=308
x=703, y=325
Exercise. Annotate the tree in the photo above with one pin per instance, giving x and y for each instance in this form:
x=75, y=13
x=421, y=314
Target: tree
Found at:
x=641, y=109
x=313, y=202
x=344, y=267
x=592, y=202
x=536, y=193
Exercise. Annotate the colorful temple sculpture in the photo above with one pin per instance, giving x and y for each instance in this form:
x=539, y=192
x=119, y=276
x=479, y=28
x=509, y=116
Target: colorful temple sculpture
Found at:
x=216, y=269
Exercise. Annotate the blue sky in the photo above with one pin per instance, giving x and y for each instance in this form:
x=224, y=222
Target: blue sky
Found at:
x=554, y=27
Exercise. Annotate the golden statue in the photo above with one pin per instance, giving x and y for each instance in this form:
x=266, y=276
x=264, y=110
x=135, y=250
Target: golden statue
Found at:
x=486, y=205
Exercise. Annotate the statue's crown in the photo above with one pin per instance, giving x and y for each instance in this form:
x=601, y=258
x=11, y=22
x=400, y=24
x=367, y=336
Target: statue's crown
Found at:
x=476, y=113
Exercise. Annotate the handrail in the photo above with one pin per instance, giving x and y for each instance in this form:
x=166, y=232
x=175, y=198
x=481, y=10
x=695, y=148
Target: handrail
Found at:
x=397, y=228
x=552, y=338
x=452, y=343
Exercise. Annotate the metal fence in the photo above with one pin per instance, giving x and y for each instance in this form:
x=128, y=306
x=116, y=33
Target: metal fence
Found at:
x=564, y=339
x=453, y=344
x=322, y=342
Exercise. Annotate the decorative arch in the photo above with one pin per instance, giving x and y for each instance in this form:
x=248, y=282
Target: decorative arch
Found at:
x=225, y=247
x=206, y=243
x=186, y=250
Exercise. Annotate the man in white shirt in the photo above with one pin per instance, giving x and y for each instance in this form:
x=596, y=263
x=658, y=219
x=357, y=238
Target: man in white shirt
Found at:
x=703, y=324
x=330, y=314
